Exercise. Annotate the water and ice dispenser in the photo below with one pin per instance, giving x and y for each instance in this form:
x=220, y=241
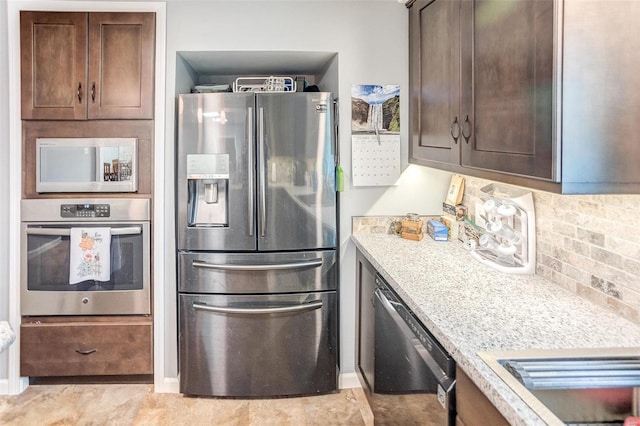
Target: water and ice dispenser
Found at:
x=208, y=183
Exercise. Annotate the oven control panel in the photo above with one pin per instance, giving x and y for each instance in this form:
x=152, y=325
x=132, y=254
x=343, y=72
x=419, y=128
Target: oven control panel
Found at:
x=85, y=210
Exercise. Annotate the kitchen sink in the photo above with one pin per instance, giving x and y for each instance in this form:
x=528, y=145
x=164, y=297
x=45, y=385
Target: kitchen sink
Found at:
x=573, y=386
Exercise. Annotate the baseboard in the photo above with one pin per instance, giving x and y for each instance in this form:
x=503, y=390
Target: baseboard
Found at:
x=23, y=384
x=167, y=385
x=348, y=381
x=172, y=384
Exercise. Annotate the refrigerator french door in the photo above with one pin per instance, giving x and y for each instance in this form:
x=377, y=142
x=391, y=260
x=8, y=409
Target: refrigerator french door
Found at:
x=257, y=267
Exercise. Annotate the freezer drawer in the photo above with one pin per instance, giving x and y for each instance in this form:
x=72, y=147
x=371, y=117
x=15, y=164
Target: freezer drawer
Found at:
x=257, y=272
x=258, y=345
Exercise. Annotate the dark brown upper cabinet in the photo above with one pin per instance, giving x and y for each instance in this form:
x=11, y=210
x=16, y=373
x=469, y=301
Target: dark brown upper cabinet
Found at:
x=481, y=76
x=435, y=80
x=536, y=93
x=506, y=79
x=78, y=66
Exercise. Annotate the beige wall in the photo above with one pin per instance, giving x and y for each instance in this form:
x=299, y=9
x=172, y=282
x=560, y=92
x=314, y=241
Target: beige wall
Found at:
x=588, y=244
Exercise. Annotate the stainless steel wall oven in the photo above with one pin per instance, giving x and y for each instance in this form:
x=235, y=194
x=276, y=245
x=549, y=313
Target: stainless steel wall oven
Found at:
x=47, y=265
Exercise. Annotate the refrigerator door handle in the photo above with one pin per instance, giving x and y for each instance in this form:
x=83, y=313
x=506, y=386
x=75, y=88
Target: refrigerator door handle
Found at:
x=336, y=134
x=250, y=171
x=313, y=263
x=316, y=304
x=263, y=175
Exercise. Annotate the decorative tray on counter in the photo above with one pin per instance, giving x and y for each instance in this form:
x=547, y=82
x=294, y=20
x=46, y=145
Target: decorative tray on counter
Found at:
x=508, y=241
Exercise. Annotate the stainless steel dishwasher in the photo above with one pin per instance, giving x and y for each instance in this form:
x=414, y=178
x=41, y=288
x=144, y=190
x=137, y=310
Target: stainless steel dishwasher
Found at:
x=414, y=376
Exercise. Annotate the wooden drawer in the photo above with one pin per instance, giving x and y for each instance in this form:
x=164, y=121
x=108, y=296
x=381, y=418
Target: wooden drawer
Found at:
x=86, y=349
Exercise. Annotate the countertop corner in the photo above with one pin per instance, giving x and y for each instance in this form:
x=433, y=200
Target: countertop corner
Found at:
x=470, y=307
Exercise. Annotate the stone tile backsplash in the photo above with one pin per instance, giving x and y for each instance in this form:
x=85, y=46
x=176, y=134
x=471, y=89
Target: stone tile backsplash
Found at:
x=373, y=224
x=588, y=244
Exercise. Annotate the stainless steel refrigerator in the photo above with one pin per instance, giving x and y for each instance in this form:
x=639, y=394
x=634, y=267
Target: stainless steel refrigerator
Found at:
x=256, y=241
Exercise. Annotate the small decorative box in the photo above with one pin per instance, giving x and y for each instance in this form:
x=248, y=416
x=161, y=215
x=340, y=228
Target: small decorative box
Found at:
x=412, y=228
x=437, y=230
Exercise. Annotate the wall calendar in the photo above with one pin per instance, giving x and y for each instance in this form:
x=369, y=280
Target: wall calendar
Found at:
x=375, y=159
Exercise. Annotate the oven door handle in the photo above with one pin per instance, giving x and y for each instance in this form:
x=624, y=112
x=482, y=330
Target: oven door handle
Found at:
x=129, y=230
x=443, y=379
x=316, y=304
x=313, y=263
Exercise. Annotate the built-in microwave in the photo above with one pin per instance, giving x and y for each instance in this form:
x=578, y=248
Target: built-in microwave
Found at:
x=86, y=165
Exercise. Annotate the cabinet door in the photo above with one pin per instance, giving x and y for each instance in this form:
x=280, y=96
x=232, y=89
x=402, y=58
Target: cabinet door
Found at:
x=434, y=45
x=366, y=285
x=53, y=51
x=507, y=86
x=473, y=407
x=121, y=65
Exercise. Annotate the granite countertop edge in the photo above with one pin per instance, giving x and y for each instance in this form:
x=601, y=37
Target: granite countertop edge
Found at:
x=470, y=307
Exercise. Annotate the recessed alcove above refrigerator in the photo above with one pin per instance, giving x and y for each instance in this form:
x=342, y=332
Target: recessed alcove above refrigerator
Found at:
x=224, y=67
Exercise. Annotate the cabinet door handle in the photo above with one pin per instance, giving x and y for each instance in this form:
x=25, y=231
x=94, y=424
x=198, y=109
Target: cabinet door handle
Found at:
x=87, y=352
x=455, y=125
x=93, y=92
x=79, y=92
x=466, y=125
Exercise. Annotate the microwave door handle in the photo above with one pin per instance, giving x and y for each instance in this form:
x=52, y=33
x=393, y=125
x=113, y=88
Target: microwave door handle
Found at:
x=61, y=232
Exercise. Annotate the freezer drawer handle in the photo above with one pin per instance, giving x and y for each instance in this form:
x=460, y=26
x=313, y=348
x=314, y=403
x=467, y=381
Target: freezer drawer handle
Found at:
x=130, y=230
x=316, y=304
x=313, y=263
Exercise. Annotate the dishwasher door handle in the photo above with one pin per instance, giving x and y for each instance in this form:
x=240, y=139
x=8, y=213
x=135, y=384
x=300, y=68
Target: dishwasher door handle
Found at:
x=313, y=263
x=443, y=379
x=316, y=304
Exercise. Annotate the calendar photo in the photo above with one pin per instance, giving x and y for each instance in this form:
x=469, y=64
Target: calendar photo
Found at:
x=375, y=109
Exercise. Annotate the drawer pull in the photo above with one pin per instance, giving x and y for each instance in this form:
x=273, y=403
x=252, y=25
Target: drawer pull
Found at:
x=87, y=352
x=316, y=304
x=312, y=263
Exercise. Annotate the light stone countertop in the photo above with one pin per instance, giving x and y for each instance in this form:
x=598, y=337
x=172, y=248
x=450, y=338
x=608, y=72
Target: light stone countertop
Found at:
x=7, y=336
x=470, y=307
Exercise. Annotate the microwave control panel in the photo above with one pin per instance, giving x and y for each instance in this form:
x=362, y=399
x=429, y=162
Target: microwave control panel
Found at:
x=85, y=210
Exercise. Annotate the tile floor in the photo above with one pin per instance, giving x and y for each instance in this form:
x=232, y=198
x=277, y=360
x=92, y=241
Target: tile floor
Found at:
x=136, y=404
